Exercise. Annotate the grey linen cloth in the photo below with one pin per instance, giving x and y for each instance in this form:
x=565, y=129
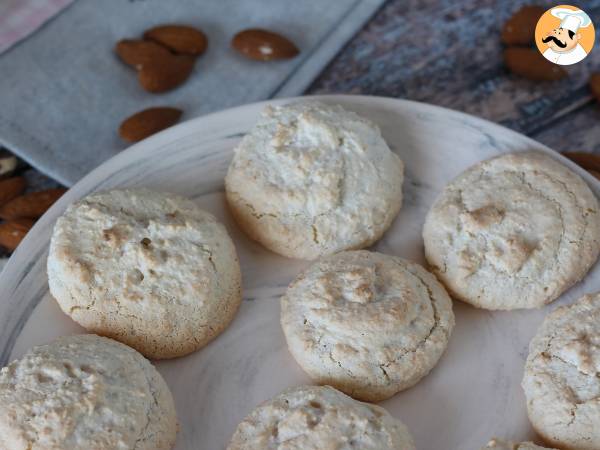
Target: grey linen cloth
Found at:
x=64, y=92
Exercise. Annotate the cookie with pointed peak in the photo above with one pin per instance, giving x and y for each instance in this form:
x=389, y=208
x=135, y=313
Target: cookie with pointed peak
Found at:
x=312, y=179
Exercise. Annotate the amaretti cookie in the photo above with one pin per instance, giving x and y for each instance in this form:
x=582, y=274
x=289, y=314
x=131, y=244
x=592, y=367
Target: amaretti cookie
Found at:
x=319, y=418
x=562, y=376
x=149, y=269
x=366, y=323
x=85, y=392
x=312, y=179
x=512, y=232
x=498, y=444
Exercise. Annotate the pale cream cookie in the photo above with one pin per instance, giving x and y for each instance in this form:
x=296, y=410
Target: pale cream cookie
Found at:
x=149, y=269
x=312, y=179
x=512, y=232
x=85, y=392
x=366, y=323
x=498, y=444
x=562, y=376
x=319, y=418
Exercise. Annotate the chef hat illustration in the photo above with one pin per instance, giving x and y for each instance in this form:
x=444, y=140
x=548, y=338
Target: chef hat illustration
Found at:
x=571, y=19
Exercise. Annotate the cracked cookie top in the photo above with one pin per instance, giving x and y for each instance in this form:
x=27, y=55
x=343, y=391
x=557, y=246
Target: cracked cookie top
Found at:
x=366, y=323
x=149, y=269
x=85, y=392
x=498, y=444
x=312, y=179
x=318, y=418
x=562, y=376
x=512, y=232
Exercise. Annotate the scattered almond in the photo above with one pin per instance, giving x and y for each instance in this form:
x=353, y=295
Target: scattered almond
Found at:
x=165, y=74
x=588, y=161
x=530, y=64
x=179, y=38
x=31, y=205
x=595, y=85
x=520, y=28
x=13, y=232
x=138, y=53
x=594, y=173
x=147, y=122
x=263, y=45
x=8, y=163
x=11, y=188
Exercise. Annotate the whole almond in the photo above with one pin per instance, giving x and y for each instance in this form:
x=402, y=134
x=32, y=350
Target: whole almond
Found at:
x=595, y=173
x=12, y=232
x=8, y=163
x=595, y=85
x=138, y=53
x=31, y=205
x=588, y=161
x=165, y=74
x=11, y=188
x=520, y=28
x=263, y=45
x=530, y=64
x=179, y=38
x=147, y=122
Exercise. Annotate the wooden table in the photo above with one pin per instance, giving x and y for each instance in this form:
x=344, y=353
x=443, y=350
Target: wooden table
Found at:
x=449, y=53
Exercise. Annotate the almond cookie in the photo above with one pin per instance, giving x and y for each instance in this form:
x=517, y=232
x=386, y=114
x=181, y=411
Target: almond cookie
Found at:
x=85, y=392
x=513, y=232
x=562, y=376
x=366, y=323
x=149, y=269
x=497, y=444
x=312, y=179
x=319, y=418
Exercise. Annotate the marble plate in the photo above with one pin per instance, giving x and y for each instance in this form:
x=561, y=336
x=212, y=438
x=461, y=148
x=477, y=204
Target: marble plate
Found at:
x=474, y=392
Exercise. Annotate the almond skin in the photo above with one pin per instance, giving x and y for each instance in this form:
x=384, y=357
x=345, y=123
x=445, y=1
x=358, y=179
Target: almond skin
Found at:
x=179, y=38
x=8, y=164
x=13, y=232
x=530, y=64
x=11, y=188
x=520, y=28
x=147, y=122
x=588, y=161
x=263, y=45
x=138, y=53
x=30, y=206
x=595, y=85
x=164, y=74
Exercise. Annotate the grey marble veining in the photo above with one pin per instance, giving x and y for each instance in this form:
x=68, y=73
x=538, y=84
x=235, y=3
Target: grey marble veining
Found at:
x=471, y=395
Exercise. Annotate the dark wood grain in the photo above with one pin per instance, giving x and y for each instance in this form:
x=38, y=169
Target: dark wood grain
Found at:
x=450, y=54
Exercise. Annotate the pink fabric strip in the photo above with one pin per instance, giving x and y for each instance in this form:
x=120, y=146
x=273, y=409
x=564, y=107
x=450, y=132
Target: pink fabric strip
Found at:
x=20, y=18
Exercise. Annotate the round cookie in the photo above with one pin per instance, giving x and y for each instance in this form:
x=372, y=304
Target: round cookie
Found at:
x=562, y=376
x=366, y=323
x=318, y=418
x=312, y=179
x=513, y=232
x=149, y=269
x=498, y=444
x=85, y=392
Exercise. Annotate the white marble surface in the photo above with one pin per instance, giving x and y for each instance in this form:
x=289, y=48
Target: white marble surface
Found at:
x=474, y=392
